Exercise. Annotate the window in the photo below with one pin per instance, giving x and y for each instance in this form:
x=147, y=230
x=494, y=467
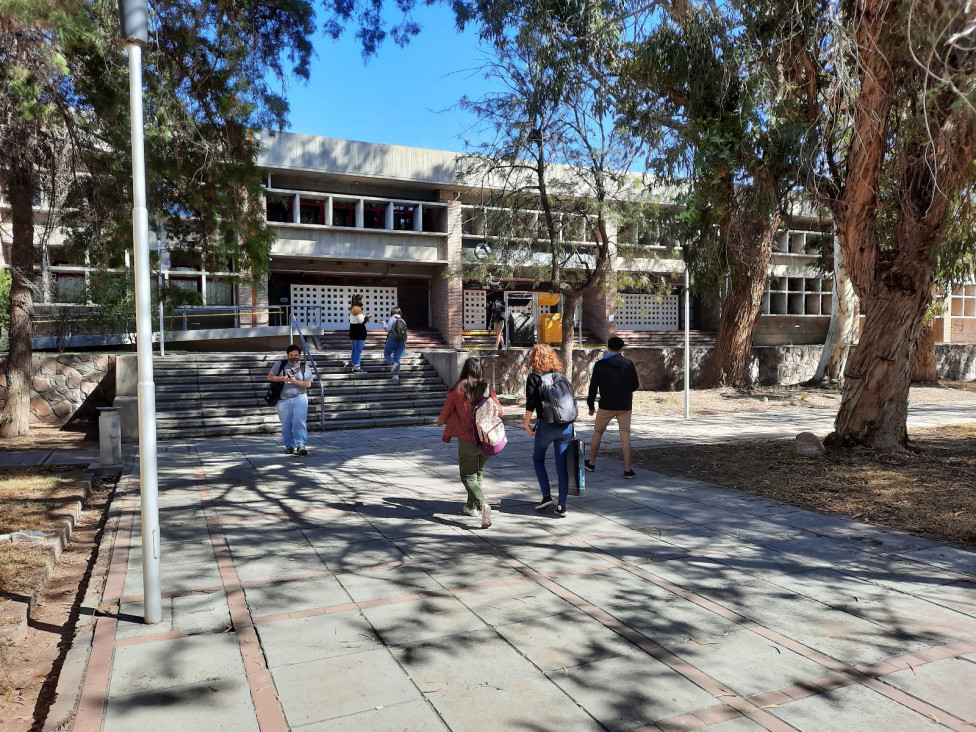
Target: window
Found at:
x=312, y=212
x=403, y=216
x=220, y=291
x=374, y=216
x=70, y=288
x=279, y=209
x=343, y=214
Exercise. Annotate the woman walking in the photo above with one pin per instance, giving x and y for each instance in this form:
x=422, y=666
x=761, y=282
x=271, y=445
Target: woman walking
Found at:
x=357, y=331
x=545, y=369
x=458, y=416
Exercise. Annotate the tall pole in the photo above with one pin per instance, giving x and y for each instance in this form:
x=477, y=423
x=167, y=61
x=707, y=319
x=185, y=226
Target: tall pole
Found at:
x=134, y=16
x=687, y=343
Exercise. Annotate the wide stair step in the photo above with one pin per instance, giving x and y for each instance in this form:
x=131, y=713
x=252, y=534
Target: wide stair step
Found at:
x=202, y=395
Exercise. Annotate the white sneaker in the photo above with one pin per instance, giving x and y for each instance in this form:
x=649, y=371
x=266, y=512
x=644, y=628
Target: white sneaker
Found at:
x=485, y=515
x=469, y=511
x=395, y=379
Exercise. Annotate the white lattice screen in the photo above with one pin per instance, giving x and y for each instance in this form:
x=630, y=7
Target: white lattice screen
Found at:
x=648, y=312
x=330, y=304
x=475, y=312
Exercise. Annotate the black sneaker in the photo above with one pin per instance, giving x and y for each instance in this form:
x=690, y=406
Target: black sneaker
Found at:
x=543, y=504
x=630, y=474
x=301, y=451
x=289, y=450
x=589, y=466
x=561, y=511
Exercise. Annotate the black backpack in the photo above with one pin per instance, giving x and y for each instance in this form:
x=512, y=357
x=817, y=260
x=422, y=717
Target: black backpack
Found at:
x=558, y=399
x=399, y=332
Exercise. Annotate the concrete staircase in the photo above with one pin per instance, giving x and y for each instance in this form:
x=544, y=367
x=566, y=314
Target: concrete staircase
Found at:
x=202, y=395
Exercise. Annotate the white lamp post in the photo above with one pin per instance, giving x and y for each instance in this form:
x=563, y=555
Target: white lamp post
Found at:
x=134, y=17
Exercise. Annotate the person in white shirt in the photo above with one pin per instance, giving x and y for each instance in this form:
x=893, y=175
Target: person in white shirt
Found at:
x=396, y=342
x=296, y=378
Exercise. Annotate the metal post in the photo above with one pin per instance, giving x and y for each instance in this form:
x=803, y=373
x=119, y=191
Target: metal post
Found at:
x=687, y=344
x=134, y=17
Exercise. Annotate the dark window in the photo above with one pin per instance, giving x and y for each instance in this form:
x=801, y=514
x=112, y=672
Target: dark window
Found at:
x=343, y=214
x=279, y=209
x=312, y=212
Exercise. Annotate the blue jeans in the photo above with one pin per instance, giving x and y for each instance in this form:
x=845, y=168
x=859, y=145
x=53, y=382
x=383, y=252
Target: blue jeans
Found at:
x=357, y=352
x=559, y=436
x=393, y=352
x=293, y=413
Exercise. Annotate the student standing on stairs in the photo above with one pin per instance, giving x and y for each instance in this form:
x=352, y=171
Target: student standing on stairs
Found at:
x=293, y=405
x=396, y=342
x=357, y=331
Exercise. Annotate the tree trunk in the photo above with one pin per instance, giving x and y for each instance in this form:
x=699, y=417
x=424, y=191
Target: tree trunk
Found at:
x=15, y=417
x=729, y=364
x=925, y=370
x=843, y=317
x=566, y=348
x=874, y=407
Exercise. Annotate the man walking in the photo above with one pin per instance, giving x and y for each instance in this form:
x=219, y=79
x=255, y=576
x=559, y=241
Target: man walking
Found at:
x=295, y=377
x=615, y=378
x=396, y=342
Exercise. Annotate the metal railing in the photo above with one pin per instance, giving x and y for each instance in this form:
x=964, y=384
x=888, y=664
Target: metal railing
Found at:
x=318, y=376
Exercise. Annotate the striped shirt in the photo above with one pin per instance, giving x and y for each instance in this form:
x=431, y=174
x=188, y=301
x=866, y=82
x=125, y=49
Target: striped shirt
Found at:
x=458, y=415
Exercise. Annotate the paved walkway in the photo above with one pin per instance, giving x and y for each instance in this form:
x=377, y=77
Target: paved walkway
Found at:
x=345, y=591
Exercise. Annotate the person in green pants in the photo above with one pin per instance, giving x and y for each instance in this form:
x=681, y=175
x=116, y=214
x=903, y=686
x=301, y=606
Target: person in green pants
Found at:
x=457, y=418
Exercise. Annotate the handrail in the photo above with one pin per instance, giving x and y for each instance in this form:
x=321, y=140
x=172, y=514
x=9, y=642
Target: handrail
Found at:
x=318, y=376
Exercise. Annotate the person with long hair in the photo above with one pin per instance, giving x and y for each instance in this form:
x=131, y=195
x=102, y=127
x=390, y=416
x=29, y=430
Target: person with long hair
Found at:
x=357, y=331
x=457, y=416
x=543, y=360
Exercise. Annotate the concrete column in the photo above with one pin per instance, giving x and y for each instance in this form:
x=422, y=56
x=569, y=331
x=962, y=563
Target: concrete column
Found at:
x=388, y=218
x=328, y=211
x=418, y=217
x=360, y=214
x=296, y=209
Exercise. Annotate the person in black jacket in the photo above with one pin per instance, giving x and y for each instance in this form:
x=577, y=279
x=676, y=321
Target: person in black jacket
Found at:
x=615, y=378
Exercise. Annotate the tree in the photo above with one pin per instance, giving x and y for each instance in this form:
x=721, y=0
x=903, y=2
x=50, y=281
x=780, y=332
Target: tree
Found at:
x=208, y=74
x=34, y=118
x=843, y=318
x=728, y=148
x=556, y=170
x=889, y=85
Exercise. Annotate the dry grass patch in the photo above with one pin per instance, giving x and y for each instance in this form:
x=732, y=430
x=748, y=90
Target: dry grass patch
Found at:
x=32, y=499
x=930, y=489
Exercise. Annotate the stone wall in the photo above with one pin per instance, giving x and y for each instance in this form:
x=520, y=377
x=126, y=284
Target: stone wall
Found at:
x=67, y=388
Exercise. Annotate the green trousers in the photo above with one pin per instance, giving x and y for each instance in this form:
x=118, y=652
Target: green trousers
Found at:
x=471, y=463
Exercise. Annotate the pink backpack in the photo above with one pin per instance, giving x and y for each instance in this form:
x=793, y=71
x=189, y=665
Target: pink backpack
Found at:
x=489, y=429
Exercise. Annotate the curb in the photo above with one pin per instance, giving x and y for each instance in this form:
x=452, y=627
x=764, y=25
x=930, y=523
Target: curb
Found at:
x=61, y=714
x=56, y=540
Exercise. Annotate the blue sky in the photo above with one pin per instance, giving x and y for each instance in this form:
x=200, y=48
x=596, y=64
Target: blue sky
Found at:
x=402, y=96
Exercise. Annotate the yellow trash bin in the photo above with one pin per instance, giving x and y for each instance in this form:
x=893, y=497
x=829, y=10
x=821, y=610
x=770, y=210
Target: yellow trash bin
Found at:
x=551, y=328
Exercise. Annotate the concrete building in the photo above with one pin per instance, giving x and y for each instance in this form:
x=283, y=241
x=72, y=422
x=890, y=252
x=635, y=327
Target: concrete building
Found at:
x=399, y=226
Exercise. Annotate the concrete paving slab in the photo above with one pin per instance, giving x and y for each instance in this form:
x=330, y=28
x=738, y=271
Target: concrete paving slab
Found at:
x=851, y=708
x=522, y=704
x=630, y=691
x=475, y=659
x=473, y=569
x=175, y=662
x=514, y=603
x=409, y=623
x=740, y=724
x=279, y=566
x=948, y=684
x=373, y=585
x=221, y=704
x=293, y=596
x=201, y=613
x=298, y=640
x=327, y=688
x=414, y=715
x=563, y=641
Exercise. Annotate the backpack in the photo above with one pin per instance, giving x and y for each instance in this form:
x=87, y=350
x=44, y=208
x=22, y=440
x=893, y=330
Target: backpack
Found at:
x=558, y=399
x=489, y=429
x=273, y=394
x=399, y=332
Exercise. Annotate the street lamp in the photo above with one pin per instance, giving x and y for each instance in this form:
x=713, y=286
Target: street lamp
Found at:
x=134, y=17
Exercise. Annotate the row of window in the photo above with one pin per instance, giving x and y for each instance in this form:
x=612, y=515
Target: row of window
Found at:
x=355, y=213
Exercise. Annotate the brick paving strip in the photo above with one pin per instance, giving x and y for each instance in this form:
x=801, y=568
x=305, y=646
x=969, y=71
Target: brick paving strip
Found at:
x=270, y=713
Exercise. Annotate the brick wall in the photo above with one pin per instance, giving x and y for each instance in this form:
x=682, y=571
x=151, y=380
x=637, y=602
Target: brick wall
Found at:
x=446, y=289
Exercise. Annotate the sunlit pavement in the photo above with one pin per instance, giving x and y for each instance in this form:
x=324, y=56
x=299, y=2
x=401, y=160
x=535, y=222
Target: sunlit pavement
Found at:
x=346, y=591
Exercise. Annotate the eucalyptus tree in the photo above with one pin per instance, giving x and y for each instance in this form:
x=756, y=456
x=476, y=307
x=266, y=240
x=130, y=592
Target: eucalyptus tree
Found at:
x=727, y=144
x=890, y=86
x=213, y=72
x=556, y=167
